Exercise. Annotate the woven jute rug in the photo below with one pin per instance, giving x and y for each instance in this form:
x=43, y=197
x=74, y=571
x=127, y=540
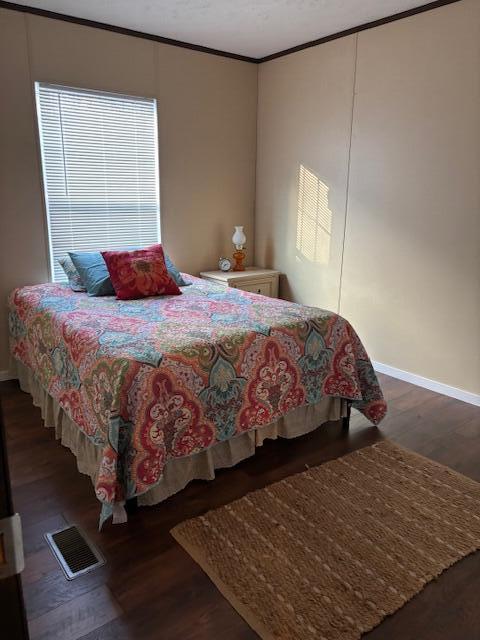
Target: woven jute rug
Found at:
x=328, y=553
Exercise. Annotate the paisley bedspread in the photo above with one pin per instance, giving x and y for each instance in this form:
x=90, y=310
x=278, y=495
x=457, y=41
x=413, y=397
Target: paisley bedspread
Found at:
x=161, y=377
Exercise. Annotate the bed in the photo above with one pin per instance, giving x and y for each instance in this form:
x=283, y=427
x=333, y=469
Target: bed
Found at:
x=152, y=393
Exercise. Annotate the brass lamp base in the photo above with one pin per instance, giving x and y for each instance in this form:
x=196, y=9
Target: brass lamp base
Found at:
x=239, y=256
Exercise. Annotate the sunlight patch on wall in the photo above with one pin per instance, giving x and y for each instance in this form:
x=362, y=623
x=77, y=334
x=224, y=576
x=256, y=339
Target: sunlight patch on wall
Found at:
x=314, y=218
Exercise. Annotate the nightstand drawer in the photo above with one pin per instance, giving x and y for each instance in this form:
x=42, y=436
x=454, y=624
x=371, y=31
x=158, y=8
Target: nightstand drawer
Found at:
x=264, y=288
x=253, y=279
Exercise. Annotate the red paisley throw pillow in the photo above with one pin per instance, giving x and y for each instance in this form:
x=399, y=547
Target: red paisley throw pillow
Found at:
x=140, y=273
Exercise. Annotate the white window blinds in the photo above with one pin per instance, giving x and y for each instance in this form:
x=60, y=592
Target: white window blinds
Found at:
x=100, y=170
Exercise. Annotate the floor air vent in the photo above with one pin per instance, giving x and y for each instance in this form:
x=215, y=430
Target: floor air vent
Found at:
x=74, y=552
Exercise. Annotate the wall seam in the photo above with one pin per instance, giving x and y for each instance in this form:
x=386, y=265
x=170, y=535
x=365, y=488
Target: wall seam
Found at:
x=347, y=194
x=254, y=254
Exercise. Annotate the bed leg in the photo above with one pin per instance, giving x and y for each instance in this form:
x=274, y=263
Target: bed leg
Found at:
x=131, y=506
x=346, y=419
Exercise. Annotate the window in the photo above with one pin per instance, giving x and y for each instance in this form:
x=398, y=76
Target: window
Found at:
x=100, y=170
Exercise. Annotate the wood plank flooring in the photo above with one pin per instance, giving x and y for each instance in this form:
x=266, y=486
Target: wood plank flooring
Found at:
x=150, y=589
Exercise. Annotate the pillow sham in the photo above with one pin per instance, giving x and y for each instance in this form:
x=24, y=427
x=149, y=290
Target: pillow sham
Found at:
x=171, y=268
x=93, y=272
x=74, y=279
x=140, y=273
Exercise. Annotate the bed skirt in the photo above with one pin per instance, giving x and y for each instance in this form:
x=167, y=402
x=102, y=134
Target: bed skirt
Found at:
x=179, y=472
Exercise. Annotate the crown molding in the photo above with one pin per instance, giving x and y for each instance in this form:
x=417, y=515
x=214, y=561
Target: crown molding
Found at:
x=44, y=13
x=216, y=52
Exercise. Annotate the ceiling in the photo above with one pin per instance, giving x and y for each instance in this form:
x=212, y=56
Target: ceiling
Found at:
x=254, y=28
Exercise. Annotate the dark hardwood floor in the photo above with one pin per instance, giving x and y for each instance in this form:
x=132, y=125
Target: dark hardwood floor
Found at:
x=151, y=589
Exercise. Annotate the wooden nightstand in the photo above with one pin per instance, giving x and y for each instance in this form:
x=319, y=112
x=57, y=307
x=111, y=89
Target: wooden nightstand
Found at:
x=263, y=281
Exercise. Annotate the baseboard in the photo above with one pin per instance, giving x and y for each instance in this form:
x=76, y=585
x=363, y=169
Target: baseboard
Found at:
x=7, y=375
x=433, y=385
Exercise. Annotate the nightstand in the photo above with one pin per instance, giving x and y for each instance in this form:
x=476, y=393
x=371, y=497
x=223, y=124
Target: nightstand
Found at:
x=263, y=281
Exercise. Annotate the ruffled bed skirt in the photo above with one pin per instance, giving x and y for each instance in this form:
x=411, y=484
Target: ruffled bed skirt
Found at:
x=179, y=472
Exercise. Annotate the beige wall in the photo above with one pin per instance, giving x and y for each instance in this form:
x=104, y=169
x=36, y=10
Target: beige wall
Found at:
x=304, y=121
x=411, y=266
x=207, y=137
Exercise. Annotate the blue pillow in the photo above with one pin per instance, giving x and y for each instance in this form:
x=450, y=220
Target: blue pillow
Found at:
x=175, y=273
x=93, y=272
